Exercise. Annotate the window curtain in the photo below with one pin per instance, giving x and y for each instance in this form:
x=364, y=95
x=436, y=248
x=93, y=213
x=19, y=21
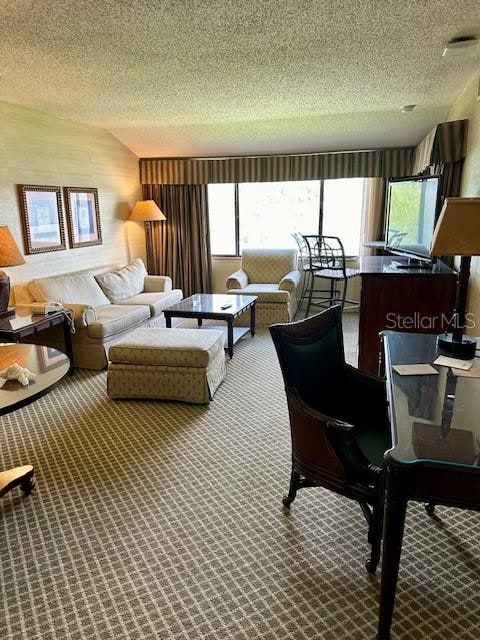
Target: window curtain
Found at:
x=373, y=213
x=375, y=163
x=180, y=246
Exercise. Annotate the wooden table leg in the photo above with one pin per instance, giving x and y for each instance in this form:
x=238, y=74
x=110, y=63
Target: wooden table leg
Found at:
x=199, y=322
x=394, y=524
x=67, y=338
x=252, y=319
x=230, y=337
x=23, y=476
x=168, y=320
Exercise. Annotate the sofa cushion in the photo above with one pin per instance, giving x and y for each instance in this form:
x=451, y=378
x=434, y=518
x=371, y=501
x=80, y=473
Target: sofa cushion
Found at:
x=123, y=283
x=77, y=288
x=115, y=318
x=264, y=293
x=168, y=347
x=156, y=301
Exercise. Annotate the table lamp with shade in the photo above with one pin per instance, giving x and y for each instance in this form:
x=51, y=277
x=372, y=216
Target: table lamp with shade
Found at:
x=147, y=211
x=457, y=233
x=10, y=256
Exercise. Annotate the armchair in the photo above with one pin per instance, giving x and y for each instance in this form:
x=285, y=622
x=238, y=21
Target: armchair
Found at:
x=338, y=419
x=272, y=276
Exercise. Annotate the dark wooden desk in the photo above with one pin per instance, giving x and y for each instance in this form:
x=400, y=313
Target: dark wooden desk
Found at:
x=49, y=367
x=24, y=324
x=409, y=300
x=434, y=458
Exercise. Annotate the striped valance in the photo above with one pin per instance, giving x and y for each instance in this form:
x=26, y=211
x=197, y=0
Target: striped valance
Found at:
x=350, y=164
x=446, y=143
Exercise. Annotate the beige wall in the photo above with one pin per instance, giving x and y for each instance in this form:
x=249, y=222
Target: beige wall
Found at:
x=38, y=149
x=466, y=106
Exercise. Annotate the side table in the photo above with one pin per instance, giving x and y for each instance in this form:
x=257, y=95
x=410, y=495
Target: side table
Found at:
x=24, y=324
x=48, y=371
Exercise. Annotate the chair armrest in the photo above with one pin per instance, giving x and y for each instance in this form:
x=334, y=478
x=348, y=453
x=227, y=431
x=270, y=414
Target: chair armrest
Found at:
x=237, y=280
x=83, y=314
x=290, y=282
x=157, y=284
x=331, y=441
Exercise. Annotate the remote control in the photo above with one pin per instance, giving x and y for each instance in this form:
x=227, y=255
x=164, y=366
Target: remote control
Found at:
x=226, y=305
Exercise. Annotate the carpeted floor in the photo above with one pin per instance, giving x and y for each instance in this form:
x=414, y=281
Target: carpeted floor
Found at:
x=164, y=521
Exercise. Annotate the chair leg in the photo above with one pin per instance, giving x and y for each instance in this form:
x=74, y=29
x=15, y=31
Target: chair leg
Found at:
x=312, y=283
x=375, y=537
x=292, y=492
x=430, y=508
x=306, y=276
x=344, y=294
x=331, y=301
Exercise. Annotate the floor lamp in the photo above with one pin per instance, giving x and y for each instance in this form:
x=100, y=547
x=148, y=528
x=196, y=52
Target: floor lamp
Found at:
x=147, y=211
x=10, y=256
x=457, y=233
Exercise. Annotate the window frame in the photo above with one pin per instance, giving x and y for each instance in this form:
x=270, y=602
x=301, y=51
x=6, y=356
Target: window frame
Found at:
x=237, y=219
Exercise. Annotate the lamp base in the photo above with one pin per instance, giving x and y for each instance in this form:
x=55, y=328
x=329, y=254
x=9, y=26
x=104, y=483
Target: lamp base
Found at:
x=463, y=349
x=5, y=312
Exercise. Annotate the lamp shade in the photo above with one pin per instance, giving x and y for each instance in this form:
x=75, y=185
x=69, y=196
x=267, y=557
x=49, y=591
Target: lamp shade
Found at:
x=457, y=232
x=145, y=211
x=9, y=252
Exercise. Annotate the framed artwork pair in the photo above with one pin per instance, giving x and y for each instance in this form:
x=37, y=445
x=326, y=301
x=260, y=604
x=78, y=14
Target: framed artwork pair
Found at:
x=43, y=222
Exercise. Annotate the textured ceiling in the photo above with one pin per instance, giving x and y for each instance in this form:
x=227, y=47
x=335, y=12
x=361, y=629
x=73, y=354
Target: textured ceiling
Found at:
x=206, y=77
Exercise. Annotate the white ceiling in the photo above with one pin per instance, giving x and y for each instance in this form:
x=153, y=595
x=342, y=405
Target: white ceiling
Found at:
x=221, y=77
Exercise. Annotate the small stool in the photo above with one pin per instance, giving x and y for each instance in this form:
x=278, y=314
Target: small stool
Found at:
x=167, y=364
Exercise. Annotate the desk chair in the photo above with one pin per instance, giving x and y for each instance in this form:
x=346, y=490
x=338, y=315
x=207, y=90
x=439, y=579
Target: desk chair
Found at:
x=338, y=418
x=326, y=259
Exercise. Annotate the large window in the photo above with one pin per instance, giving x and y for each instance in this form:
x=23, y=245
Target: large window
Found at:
x=342, y=211
x=266, y=214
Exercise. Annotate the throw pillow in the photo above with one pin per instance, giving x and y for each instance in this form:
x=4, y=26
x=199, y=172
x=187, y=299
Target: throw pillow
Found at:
x=125, y=282
x=76, y=288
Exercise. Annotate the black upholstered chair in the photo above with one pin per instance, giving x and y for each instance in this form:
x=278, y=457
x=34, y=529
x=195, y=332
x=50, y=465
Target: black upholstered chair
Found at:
x=338, y=418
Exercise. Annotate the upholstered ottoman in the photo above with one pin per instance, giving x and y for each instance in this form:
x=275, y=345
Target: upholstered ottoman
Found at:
x=167, y=364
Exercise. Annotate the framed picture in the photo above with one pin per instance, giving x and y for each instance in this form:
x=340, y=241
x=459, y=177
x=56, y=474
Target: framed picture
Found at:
x=83, y=216
x=42, y=218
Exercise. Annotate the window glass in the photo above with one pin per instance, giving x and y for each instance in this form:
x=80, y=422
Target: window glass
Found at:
x=271, y=211
x=221, y=213
x=342, y=211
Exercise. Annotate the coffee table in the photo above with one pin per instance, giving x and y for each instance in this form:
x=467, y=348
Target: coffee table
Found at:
x=208, y=306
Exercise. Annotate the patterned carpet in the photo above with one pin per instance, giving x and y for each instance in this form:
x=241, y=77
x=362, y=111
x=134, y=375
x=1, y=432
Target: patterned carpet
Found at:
x=164, y=521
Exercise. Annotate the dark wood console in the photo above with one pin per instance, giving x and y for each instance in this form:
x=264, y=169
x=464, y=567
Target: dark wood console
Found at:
x=408, y=300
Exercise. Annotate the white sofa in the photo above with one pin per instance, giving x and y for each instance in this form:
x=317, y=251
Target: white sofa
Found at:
x=107, y=304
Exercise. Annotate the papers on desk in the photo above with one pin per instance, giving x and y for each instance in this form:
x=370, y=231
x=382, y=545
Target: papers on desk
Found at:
x=415, y=369
x=463, y=365
x=474, y=372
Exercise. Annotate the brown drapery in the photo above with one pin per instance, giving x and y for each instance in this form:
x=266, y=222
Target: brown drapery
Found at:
x=180, y=246
x=314, y=166
x=373, y=214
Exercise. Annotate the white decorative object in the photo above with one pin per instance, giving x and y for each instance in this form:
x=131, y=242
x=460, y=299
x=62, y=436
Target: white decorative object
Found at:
x=16, y=372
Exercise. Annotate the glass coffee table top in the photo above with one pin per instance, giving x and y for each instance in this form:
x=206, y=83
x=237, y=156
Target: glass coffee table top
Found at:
x=212, y=303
